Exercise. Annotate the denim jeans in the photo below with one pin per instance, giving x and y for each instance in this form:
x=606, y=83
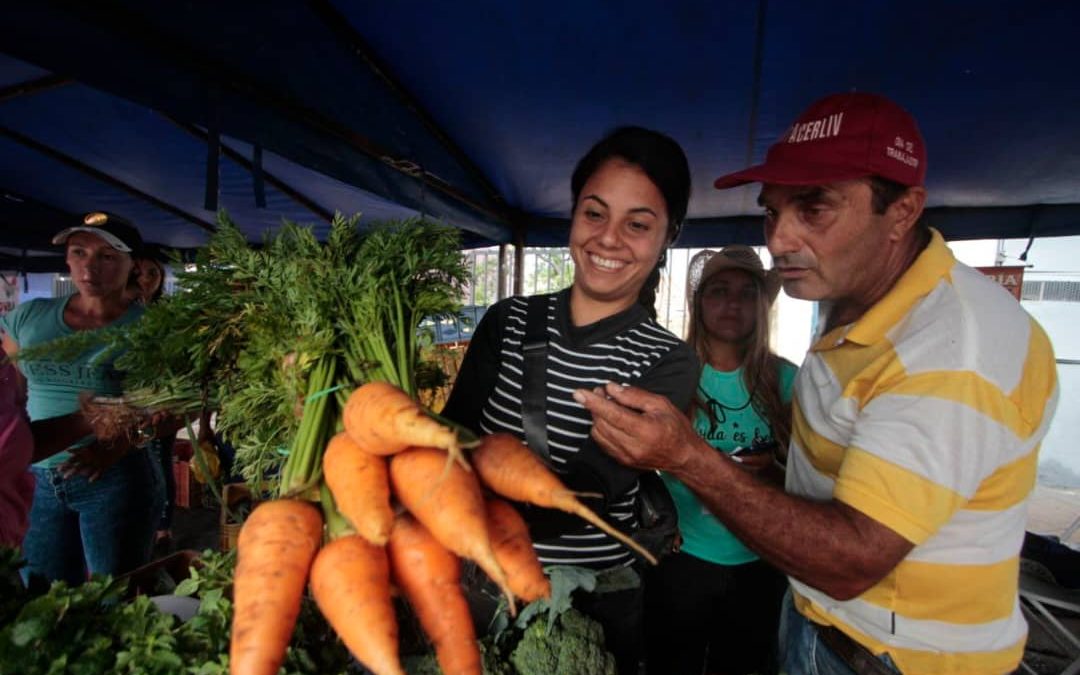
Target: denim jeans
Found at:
x=102, y=527
x=803, y=653
x=163, y=448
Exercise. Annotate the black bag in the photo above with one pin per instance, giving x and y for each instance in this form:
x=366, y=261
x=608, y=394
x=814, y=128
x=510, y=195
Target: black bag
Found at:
x=658, y=520
x=658, y=527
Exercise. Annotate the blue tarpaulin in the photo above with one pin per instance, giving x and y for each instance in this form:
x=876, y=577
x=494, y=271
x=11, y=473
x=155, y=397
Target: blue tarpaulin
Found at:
x=475, y=112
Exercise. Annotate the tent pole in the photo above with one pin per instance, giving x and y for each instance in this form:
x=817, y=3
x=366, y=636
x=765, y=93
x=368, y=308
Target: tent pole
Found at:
x=33, y=87
x=755, y=91
x=502, y=272
x=519, y=259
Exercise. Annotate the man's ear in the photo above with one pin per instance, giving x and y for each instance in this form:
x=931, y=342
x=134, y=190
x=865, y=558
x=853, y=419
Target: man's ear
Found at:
x=904, y=213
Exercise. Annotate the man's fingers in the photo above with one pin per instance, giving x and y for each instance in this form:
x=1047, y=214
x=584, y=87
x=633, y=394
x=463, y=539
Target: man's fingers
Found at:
x=613, y=425
x=602, y=409
x=635, y=398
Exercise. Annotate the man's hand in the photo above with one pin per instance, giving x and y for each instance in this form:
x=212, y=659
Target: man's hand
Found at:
x=828, y=545
x=639, y=429
x=92, y=460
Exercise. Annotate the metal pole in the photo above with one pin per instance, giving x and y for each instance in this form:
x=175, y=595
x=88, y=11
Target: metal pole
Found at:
x=502, y=272
x=519, y=259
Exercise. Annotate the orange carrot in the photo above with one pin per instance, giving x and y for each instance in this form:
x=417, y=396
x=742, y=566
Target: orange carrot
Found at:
x=507, y=466
x=274, y=553
x=360, y=484
x=448, y=501
x=514, y=550
x=383, y=420
x=430, y=577
x=350, y=580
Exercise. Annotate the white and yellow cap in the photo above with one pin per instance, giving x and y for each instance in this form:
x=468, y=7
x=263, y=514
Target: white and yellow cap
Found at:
x=114, y=230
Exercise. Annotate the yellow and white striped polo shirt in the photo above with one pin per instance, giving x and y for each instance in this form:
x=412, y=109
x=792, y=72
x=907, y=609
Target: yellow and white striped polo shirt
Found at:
x=926, y=415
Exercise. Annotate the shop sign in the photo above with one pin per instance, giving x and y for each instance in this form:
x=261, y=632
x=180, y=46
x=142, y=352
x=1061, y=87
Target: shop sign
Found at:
x=1010, y=278
x=9, y=292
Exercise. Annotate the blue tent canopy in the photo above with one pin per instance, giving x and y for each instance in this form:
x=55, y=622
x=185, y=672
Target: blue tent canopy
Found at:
x=476, y=112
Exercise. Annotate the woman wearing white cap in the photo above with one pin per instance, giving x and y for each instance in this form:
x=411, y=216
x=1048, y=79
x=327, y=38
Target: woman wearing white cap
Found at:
x=714, y=603
x=95, y=504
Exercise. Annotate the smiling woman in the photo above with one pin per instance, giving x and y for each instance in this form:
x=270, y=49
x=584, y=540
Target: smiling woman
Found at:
x=630, y=193
x=619, y=229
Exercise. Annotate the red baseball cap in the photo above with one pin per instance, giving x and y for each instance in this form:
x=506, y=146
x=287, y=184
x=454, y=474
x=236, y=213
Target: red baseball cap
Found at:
x=842, y=137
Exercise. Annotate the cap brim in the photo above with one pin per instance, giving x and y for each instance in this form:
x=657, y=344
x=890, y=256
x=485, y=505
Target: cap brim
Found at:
x=788, y=175
x=739, y=178
x=62, y=236
x=770, y=278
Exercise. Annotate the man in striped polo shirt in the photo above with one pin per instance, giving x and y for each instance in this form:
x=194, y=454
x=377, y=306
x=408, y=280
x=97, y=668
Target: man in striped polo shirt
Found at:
x=918, y=414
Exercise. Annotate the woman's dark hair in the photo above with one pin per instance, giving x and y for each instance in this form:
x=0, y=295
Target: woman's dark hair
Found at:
x=161, y=286
x=161, y=271
x=664, y=162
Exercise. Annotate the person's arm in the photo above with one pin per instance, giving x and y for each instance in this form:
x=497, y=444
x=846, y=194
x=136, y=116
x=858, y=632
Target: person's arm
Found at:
x=11, y=348
x=476, y=376
x=675, y=377
x=58, y=433
x=827, y=545
x=55, y=434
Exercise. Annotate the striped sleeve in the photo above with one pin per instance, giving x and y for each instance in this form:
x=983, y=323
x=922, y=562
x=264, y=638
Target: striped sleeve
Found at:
x=934, y=470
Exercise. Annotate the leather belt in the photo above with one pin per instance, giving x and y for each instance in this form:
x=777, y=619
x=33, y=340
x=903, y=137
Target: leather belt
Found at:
x=859, y=658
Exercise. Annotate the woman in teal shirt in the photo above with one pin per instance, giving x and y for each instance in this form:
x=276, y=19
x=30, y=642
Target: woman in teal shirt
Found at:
x=95, y=504
x=714, y=603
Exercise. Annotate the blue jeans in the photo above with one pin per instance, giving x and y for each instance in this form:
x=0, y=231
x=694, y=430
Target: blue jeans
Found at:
x=104, y=527
x=803, y=653
x=163, y=447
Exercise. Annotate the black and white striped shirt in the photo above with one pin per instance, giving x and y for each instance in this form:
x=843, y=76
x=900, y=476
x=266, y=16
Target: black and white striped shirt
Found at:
x=628, y=348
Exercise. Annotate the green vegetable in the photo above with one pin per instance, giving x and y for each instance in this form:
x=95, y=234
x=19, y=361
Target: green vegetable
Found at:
x=275, y=337
x=573, y=646
x=93, y=628
x=550, y=636
x=416, y=271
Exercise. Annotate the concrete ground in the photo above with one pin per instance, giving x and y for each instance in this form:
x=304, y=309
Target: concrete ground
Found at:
x=1054, y=512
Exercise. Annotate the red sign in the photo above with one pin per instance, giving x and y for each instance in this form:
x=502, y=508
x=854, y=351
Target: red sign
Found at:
x=9, y=293
x=1011, y=278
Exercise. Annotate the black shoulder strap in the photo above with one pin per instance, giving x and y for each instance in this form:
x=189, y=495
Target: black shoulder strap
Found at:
x=534, y=382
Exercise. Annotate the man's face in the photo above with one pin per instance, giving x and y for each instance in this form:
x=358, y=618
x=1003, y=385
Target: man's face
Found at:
x=826, y=241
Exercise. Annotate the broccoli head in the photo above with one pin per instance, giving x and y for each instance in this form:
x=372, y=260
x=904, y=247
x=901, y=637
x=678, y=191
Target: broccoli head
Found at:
x=573, y=646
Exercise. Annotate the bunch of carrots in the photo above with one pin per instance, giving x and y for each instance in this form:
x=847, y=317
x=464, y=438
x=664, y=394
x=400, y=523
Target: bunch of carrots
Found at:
x=401, y=504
